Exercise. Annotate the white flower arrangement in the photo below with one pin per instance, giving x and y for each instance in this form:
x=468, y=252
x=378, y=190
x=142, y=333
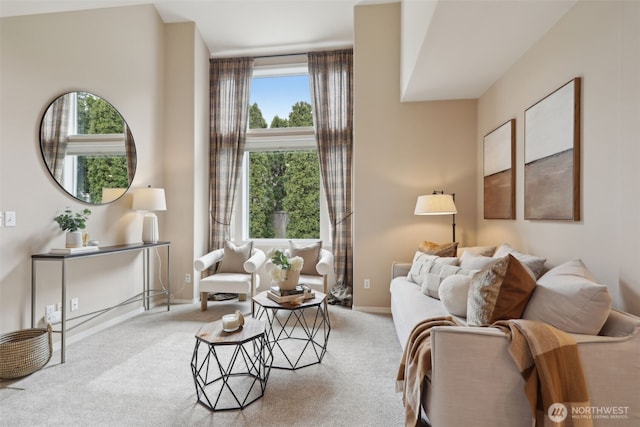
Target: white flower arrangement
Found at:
x=282, y=264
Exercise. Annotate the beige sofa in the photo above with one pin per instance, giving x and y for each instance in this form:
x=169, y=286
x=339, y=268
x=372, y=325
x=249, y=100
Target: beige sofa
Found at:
x=474, y=381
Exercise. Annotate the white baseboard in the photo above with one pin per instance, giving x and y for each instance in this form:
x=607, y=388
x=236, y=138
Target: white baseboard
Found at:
x=378, y=310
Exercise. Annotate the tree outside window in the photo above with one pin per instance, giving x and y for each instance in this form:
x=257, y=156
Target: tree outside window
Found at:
x=284, y=185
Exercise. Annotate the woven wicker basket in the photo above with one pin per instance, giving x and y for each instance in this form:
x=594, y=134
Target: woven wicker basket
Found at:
x=24, y=352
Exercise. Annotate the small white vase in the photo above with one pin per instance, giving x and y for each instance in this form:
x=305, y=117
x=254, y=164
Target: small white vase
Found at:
x=74, y=239
x=291, y=281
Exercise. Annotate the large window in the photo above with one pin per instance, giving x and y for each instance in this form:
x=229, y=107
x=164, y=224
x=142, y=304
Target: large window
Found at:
x=281, y=189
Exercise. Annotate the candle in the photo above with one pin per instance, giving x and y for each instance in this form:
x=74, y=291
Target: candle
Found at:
x=230, y=322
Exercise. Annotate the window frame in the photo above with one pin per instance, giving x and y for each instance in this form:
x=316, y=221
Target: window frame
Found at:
x=276, y=139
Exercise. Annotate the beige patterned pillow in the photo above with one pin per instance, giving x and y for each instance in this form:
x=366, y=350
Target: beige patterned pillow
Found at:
x=309, y=253
x=234, y=257
x=434, y=276
x=445, y=250
x=422, y=263
x=499, y=292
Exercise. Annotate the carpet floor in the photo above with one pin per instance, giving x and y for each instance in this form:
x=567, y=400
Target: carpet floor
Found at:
x=138, y=373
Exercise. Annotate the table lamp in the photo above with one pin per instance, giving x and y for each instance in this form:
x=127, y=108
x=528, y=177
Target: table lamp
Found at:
x=149, y=200
x=438, y=203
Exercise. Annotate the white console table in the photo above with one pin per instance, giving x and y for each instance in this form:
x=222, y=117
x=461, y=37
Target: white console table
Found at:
x=144, y=296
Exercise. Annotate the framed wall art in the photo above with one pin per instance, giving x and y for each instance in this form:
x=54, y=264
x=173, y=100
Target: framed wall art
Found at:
x=552, y=155
x=499, y=172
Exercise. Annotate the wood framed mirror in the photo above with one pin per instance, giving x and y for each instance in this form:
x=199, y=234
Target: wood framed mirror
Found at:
x=88, y=147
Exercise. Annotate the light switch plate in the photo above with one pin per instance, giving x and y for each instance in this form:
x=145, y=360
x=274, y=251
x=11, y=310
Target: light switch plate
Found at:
x=9, y=219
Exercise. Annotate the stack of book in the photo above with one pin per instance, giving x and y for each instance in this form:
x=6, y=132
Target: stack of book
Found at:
x=281, y=295
x=71, y=251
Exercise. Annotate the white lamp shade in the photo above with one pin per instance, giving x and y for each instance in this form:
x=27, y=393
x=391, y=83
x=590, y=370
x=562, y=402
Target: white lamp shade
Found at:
x=435, y=204
x=149, y=199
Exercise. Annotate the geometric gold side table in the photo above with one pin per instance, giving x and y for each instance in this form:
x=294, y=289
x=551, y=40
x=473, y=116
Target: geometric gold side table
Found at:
x=230, y=369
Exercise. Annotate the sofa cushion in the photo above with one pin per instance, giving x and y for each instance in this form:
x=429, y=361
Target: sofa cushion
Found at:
x=568, y=298
x=444, y=250
x=475, y=262
x=499, y=292
x=422, y=262
x=310, y=254
x=477, y=250
x=453, y=293
x=435, y=274
x=534, y=263
x=234, y=257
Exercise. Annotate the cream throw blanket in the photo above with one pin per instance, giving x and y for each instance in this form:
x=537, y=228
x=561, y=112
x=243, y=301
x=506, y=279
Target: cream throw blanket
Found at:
x=546, y=357
x=549, y=362
x=415, y=364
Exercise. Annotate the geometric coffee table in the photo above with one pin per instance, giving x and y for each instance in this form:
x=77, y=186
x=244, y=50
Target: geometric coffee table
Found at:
x=230, y=369
x=296, y=333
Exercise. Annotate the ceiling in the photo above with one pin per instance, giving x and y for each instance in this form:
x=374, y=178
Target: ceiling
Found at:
x=487, y=36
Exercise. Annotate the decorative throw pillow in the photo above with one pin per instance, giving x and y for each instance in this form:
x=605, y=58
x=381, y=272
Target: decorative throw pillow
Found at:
x=534, y=263
x=445, y=250
x=568, y=298
x=453, y=293
x=435, y=274
x=499, y=292
x=234, y=257
x=477, y=250
x=309, y=253
x=422, y=262
x=475, y=262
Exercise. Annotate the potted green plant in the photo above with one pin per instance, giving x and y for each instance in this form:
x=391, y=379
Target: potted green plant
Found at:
x=72, y=223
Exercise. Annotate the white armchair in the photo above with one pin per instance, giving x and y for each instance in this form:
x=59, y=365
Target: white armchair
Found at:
x=324, y=267
x=239, y=277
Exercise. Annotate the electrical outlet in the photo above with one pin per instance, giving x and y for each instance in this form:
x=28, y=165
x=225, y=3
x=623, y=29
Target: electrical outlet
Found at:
x=49, y=309
x=187, y=278
x=367, y=283
x=53, y=317
x=74, y=304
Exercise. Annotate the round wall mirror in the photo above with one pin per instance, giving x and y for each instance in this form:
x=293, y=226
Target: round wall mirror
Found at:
x=88, y=147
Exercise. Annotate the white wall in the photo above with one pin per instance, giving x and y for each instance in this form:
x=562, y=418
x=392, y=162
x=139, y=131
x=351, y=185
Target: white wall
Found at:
x=402, y=150
x=186, y=161
x=119, y=54
x=597, y=41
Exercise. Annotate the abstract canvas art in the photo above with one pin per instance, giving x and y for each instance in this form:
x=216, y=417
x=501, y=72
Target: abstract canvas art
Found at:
x=499, y=172
x=552, y=155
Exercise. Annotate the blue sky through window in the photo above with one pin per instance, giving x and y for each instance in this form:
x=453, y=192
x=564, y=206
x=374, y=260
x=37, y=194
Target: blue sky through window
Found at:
x=276, y=95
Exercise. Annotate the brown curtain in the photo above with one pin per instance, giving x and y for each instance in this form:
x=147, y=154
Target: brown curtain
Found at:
x=54, y=132
x=229, y=83
x=331, y=80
